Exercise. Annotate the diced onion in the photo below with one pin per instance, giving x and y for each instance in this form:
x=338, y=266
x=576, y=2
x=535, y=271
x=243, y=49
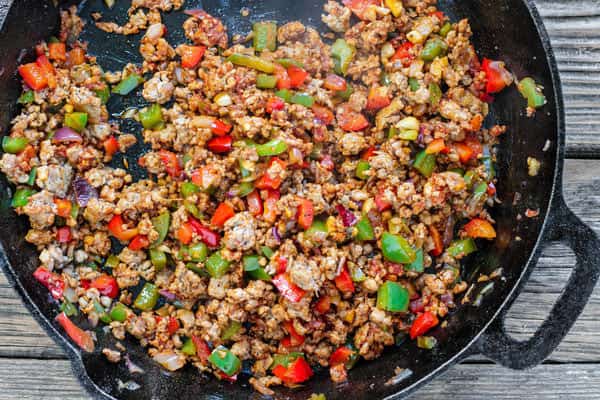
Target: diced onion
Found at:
x=169, y=360
x=66, y=134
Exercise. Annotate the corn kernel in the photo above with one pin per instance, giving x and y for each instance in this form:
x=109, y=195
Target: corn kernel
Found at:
x=350, y=316
x=395, y=7
x=68, y=108
x=437, y=67
x=415, y=37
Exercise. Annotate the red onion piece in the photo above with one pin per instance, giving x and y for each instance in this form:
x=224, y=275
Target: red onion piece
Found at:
x=448, y=299
x=348, y=218
x=276, y=234
x=167, y=295
x=417, y=306
x=448, y=231
x=66, y=134
x=131, y=366
x=196, y=12
x=84, y=191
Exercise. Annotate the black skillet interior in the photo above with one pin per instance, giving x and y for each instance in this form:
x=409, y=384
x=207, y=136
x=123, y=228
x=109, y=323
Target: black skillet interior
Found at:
x=503, y=29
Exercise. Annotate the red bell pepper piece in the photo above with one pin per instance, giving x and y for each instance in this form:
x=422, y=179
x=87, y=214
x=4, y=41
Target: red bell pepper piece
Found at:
x=115, y=226
x=480, y=228
x=209, y=237
x=223, y=212
x=51, y=280
x=270, y=205
x=106, y=285
x=202, y=349
x=76, y=56
x=306, y=213
x=382, y=203
x=438, y=244
x=422, y=324
x=172, y=326
x=465, y=153
x=296, y=339
x=351, y=121
x=81, y=338
x=63, y=207
x=323, y=305
x=287, y=288
x=191, y=55
x=497, y=76
x=283, y=79
x=111, y=146
x=323, y=114
x=360, y=7
x=437, y=146
x=335, y=83
x=344, y=281
x=297, y=76
x=275, y=103
x=341, y=356
x=57, y=51
x=281, y=265
x=255, y=203
x=85, y=283
x=34, y=76
x=368, y=153
x=404, y=54
x=220, y=144
x=378, y=98
x=63, y=234
x=272, y=179
x=296, y=372
x=184, y=233
x=220, y=128
x=171, y=163
x=139, y=242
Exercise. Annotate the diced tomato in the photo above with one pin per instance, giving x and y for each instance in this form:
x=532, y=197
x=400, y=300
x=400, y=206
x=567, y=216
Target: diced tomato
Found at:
x=361, y=7
x=296, y=339
x=116, y=227
x=480, y=228
x=208, y=236
x=172, y=326
x=335, y=83
x=423, y=323
x=323, y=305
x=275, y=103
x=85, y=283
x=270, y=205
x=351, y=121
x=341, y=356
x=139, y=242
x=170, y=162
x=202, y=349
x=382, y=203
x=191, y=55
x=224, y=376
x=283, y=79
x=287, y=288
x=63, y=234
x=34, y=76
x=497, y=76
x=297, y=76
x=106, y=285
x=220, y=144
x=220, y=128
x=51, y=280
x=404, y=54
x=57, y=51
x=185, y=233
x=272, y=179
x=45, y=65
x=76, y=56
x=81, y=338
x=323, y=114
x=465, y=153
x=368, y=153
x=63, y=207
x=437, y=146
x=344, y=281
x=378, y=98
x=111, y=146
x=255, y=203
x=438, y=244
x=306, y=213
x=223, y=212
x=438, y=14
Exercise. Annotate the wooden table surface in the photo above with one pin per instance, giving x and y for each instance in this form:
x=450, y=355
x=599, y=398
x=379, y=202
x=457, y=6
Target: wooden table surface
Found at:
x=32, y=366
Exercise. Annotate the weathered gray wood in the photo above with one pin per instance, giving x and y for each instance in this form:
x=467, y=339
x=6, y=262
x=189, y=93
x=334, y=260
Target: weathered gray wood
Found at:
x=21, y=380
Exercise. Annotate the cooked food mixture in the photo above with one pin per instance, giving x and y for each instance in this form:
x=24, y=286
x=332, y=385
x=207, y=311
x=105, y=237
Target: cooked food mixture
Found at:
x=308, y=201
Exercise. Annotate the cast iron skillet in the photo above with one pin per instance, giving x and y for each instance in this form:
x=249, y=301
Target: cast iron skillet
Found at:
x=506, y=29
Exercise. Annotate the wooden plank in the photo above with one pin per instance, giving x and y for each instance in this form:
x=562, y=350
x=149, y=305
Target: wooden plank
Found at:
x=20, y=335
x=21, y=380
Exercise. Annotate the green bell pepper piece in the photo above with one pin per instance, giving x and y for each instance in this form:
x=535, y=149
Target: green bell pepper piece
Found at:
x=435, y=94
x=284, y=94
x=198, y=252
x=102, y=314
x=468, y=177
x=147, y=298
x=251, y=263
x=357, y=274
x=223, y=359
x=161, y=225
x=433, y=48
x=128, y=84
x=189, y=348
x=103, y=94
x=26, y=97
x=361, y=169
x=252, y=62
x=317, y=229
x=192, y=209
x=288, y=62
x=14, y=145
x=462, y=247
x=158, y=259
x=424, y=163
x=393, y=297
x=32, y=175
x=259, y=274
x=21, y=197
x=345, y=94
x=285, y=359
x=197, y=269
x=426, y=342
x=68, y=308
x=216, y=265
x=445, y=29
x=264, y=81
x=76, y=121
x=111, y=262
x=397, y=249
x=233, y=328
x=188, y=189
x=480, y=189
x=413, y=84
x=272, y=148
x=409, y=134
x=364, y=230
x=532, y=92
x=418, y=264
x=267, y=252
x=151, y=117
x=265, y=36
x=302, y=99
x=342, y=54
x=244, y=189
x=119, y=312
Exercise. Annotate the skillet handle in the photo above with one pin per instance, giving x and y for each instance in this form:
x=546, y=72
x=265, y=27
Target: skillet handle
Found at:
x=565, y=227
